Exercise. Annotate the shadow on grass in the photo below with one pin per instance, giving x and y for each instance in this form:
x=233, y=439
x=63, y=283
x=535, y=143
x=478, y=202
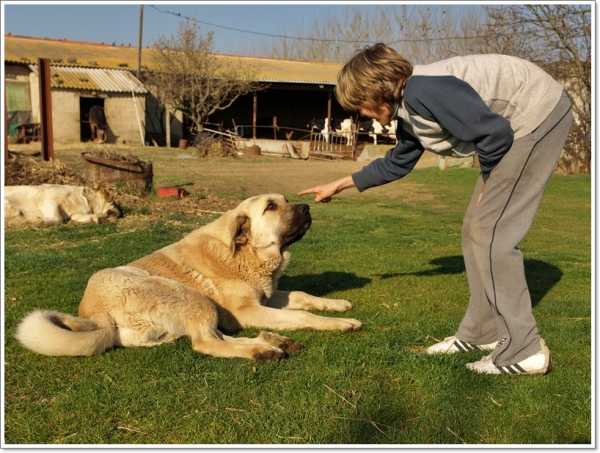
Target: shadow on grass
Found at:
x=322, y=284
x=541, y=277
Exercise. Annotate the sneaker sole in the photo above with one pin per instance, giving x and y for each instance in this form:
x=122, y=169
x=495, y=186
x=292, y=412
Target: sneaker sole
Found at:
x=516, y=369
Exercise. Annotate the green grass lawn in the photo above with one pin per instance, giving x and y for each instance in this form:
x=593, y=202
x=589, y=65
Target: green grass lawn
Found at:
x=397, y=258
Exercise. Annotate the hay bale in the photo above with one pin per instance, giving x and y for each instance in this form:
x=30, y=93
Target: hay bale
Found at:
x=27, y=171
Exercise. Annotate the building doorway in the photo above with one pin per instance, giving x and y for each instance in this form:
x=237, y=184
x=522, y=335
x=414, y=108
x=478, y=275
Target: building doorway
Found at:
x=85, y=104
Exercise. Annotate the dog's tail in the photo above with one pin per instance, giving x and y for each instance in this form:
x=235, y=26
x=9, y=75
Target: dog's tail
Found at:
x=58, y=334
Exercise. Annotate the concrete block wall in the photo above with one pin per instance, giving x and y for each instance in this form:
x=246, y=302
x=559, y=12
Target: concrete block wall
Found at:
x=34, y=96
x=124, y=122
x=66, y=127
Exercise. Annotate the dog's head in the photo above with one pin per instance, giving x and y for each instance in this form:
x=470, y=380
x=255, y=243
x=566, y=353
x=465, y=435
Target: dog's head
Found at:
x=102, y=203
x=268, y=222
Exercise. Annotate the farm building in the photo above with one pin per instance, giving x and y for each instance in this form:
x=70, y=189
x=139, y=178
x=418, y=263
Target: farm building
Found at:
x=85, y=74
x=77, y=84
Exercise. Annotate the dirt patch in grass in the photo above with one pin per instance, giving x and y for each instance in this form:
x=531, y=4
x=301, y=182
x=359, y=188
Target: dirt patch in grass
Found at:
x=215, y=184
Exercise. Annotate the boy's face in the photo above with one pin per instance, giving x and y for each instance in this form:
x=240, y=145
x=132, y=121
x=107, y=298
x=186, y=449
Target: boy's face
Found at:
x=383, y=113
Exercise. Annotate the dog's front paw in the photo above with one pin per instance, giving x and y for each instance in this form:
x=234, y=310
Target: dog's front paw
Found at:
x=351, y=325
x=338, y=305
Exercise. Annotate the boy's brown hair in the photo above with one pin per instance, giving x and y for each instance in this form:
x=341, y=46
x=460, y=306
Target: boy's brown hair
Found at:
x=373, y=75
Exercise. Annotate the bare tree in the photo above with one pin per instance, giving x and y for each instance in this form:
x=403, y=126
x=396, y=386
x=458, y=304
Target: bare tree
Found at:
x=423, y=34
x=557, y=37
x=191, y=78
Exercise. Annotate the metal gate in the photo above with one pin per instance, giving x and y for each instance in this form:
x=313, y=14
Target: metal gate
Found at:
x=334, y=145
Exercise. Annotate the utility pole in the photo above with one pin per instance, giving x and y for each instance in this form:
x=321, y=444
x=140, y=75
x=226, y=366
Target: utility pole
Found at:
x=140, y=41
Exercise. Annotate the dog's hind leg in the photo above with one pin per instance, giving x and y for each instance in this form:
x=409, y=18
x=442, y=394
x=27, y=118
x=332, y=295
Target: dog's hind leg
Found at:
x=269, y=339
x=198, y=319
x=51, y=213
x=213, y=342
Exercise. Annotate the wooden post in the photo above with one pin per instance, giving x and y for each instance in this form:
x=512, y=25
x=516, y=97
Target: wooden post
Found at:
x=254, y=110
x=45, y=108
x=330, y=126
x=5, y=132
x=168, y=125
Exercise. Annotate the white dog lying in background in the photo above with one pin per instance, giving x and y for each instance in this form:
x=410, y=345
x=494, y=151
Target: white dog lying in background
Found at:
x=53, y=204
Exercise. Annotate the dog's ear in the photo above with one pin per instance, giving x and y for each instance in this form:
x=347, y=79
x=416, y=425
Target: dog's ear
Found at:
x=103, y=191
x=241, y=232
x=97, y=198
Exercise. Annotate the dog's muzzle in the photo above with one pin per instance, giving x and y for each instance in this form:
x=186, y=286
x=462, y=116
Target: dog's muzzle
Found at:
x=299, y=224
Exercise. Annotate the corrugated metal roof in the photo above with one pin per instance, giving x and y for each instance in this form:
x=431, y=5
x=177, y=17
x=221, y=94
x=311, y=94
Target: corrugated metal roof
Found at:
x=290, y=71
x=19, y=49
x=111, y=80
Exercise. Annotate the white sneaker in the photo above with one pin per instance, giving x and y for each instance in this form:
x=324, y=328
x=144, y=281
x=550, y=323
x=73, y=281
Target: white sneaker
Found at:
x=540, y=363
x=450, y=345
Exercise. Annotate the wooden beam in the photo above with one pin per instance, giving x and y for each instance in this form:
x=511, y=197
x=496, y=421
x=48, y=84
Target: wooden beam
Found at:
x=45, y=108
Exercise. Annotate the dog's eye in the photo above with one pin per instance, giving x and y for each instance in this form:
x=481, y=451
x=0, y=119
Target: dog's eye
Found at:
x=271, y=206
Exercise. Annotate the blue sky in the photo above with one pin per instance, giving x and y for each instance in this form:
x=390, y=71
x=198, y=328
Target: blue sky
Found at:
x=119, y=22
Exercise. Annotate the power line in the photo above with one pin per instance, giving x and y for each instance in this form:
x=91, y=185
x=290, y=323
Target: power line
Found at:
x=251, y=32
x=296, y=37
x=499, y=35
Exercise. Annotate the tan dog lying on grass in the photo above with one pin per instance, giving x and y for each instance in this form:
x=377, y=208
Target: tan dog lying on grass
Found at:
x=53, y=204
x=223, y=274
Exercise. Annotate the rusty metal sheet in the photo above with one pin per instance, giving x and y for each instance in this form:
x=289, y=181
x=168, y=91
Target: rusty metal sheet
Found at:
x=109, y=80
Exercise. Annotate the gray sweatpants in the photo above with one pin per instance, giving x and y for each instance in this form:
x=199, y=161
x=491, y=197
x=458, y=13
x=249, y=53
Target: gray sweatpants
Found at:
x=500, y=303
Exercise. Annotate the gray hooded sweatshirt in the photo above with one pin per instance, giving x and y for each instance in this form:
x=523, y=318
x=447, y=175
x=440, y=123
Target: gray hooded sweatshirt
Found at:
x=462, y=106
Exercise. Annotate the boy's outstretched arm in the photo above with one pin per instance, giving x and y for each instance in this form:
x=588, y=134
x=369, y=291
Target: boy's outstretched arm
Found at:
x=324, y=192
